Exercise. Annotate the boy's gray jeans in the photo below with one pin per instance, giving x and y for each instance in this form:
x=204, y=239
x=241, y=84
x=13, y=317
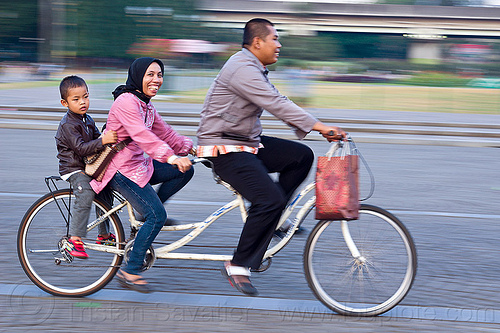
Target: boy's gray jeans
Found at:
x=80, y=211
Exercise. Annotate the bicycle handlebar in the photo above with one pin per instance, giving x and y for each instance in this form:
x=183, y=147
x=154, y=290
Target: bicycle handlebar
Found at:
x=200, y=160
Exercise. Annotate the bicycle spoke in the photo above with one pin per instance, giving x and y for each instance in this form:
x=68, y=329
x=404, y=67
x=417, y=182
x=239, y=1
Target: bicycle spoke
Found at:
x=370, y=284
x=51, y=268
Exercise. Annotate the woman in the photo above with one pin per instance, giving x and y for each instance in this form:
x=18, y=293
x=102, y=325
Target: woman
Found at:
x=131, y=173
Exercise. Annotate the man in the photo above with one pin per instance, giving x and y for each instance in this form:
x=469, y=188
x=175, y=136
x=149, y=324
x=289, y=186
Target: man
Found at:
x=230, y=136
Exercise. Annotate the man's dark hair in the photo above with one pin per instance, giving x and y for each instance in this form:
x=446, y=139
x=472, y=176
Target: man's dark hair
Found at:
x=70, y=82
x=257, y=27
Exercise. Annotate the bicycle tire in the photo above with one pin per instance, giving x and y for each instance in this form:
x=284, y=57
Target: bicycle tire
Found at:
x=375, y=282
x=44, y=226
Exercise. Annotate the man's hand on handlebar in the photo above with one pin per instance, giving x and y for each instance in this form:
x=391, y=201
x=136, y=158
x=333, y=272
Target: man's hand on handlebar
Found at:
x=331, y=133
x=334, y=134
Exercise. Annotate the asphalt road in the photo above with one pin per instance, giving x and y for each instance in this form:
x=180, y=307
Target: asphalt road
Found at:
x=446, y=196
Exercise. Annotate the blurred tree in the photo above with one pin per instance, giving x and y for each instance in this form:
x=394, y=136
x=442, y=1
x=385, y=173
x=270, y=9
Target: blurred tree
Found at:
x=333, y=45
x=391, y=47
x=109, y=28
x=321, y=47
x=355, y=45
x=18, y=22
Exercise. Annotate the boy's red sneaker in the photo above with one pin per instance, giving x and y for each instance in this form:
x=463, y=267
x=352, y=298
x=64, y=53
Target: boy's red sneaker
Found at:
x=76, y=249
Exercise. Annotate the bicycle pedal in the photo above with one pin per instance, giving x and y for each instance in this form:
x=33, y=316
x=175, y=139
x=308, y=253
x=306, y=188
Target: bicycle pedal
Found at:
x=64, y=249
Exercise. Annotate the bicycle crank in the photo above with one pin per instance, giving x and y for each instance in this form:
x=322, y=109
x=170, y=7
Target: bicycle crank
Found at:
x=263, y=266
x=149, y=259
x=63, y=248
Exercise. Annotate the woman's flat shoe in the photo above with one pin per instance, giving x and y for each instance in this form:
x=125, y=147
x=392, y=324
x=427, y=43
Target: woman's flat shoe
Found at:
x=229, y=272
x=132, y=284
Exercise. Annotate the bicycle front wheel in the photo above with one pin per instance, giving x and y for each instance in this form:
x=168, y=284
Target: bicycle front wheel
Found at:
x=363, y=267
x=40, y=243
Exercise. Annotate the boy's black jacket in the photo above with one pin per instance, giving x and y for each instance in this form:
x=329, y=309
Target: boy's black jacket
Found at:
x=76, y=137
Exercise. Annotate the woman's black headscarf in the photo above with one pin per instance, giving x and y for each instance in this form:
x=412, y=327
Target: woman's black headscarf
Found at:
x=135, y=76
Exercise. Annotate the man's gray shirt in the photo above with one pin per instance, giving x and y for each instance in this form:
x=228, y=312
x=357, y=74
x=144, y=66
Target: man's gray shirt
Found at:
x=233, y=105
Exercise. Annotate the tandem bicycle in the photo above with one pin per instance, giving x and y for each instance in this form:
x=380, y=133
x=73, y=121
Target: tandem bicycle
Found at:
x=361, y=267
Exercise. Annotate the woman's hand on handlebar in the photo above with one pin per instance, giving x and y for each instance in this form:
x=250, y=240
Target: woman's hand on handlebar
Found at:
x=182, y=163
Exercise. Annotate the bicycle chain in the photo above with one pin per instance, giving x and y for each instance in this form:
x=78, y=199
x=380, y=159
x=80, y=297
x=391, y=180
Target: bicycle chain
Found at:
x=186, y=245
x=155, y=266
x=169, y=266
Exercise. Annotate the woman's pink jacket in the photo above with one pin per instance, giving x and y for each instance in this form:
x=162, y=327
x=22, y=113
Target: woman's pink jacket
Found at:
x=132, y=118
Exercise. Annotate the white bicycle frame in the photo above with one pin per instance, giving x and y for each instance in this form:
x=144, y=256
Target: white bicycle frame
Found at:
x=167, y=251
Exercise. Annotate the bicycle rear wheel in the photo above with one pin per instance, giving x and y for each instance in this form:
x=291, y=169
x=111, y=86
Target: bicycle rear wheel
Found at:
x=373, y=282
x=41, y=234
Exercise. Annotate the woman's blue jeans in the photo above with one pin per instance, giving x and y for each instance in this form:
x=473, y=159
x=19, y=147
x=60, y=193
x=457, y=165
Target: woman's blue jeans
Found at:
x=150, y=205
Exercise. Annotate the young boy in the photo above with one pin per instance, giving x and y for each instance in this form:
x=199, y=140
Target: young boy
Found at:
x=77, y=137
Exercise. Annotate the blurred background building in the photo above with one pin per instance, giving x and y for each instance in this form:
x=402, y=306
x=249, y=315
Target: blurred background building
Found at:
x=384, y=36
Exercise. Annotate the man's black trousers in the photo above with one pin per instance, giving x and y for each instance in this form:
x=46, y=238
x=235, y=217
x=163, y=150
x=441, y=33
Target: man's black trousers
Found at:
x=249, y=175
